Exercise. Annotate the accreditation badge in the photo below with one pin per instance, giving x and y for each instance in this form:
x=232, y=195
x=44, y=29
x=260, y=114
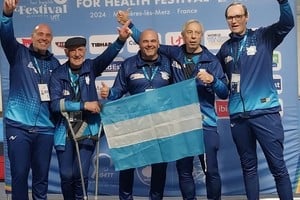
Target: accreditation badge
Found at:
x=44, y=92
x=235, y=83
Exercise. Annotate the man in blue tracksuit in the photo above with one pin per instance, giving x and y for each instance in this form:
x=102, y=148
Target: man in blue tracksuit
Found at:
x=147, y=70
x=194, y=60
x=190, y=60
x=29, y=129
x=73, y=92
x=253, y=102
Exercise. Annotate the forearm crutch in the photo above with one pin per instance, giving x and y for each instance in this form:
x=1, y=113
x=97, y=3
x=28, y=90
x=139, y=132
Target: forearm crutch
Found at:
x=97, y=162
x=66, y=115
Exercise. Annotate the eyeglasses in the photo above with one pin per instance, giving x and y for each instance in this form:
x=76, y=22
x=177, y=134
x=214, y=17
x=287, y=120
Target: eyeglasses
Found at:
x=236, y=17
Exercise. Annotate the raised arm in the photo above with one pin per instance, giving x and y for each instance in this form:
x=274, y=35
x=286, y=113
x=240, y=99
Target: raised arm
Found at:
x=102, y=61
x=285, y=24
x=8, y=40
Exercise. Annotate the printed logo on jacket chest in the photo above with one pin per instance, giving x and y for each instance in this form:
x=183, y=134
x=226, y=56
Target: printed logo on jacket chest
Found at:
x=137, y=76
x=66, y=92
x=228, y=59
x=251, y=51
x=175, y=64
x=165, y=75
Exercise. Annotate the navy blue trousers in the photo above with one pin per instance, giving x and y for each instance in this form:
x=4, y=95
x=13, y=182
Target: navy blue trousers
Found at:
x=69, y=168
x=157, y=185
x=210, y=167
x=29, y=151
x=267, y=130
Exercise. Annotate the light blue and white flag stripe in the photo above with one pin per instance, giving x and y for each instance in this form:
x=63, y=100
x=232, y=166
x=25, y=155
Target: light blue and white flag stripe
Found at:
x=161, y=125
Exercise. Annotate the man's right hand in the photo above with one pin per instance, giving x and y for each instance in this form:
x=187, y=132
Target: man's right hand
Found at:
x=92, y=106
x=123, y=16
x=9, y=6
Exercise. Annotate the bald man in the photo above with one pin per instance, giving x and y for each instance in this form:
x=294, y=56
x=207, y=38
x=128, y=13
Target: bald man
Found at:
x=29, y=129
x=147, y=70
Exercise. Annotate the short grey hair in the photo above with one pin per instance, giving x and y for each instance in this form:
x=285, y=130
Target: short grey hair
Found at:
x=190, y=22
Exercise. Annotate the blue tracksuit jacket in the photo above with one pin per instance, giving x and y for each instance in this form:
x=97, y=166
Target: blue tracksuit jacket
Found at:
x=207, y=61
x=257, y=93
x=136, y=76
x=27, y=70
x=206, y=93
x=61, y=89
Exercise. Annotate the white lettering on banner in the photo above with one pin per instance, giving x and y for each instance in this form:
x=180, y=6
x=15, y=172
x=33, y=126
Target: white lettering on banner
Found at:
x=101, y=44
x=98, y=14
x=213, y=39
x=43, y=9
x=148, y=13
x=88, y=3
x=186, y=11
x=131, y=14
x=47, y=1
x=178, y=1
x=119, y=3
x=98, y=43
x=112, y=3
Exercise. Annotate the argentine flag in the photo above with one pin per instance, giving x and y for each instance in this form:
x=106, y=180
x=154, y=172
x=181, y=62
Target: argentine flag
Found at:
x=160, y=125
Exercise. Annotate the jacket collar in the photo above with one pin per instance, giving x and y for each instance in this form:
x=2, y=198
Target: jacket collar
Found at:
x=48, y=55
x=141, y=62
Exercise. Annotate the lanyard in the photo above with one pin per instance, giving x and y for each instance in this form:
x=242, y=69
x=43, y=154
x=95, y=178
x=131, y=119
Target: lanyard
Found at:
x=236, y=57
x=38, y=69
x=153, y=72
x=37, y=66
x=74, y=81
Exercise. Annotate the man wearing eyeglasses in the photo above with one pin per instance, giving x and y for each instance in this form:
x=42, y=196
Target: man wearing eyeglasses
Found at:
x=253, y=101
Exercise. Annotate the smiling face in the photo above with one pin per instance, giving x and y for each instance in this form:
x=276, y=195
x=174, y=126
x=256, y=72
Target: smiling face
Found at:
x=76, y=56
x=149, y=44
x=237, y=18
x=41, y=38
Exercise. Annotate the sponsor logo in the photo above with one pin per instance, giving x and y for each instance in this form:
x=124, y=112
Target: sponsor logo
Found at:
x=58, y=45
x=276, y=61
x=13, y=137
x=25, y=41
x=144, y=174
x=98, y=43
x=52, y=9
x=174, y=38
x=132, y=47
x=221, y=107
x=213, y=39
x=278, y=83
x=115, y=65
x=106, y=169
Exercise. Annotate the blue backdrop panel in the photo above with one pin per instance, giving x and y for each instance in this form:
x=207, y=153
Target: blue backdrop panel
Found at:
x=95, y=20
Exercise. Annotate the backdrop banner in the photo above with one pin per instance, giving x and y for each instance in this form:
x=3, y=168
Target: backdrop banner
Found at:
x=96, y=20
